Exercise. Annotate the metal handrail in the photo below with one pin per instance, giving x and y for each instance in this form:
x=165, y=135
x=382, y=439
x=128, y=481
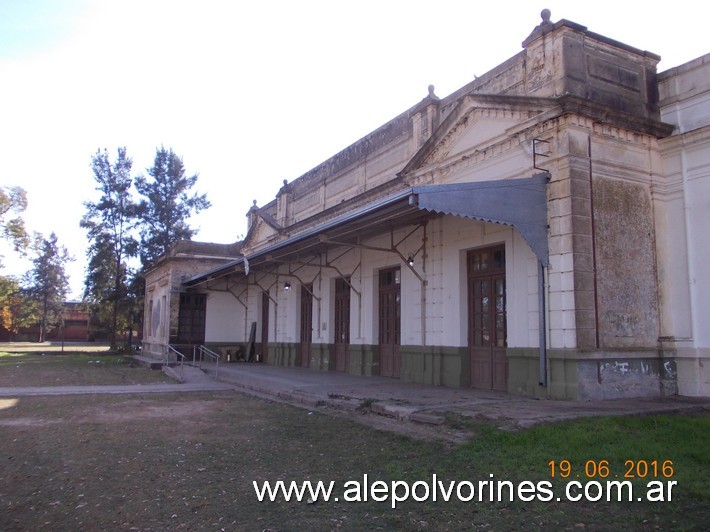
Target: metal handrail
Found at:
x=169, y=349
x=205, y=351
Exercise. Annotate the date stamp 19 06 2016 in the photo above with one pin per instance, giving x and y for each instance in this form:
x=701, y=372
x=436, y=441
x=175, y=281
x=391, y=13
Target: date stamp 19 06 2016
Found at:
x=595, y=469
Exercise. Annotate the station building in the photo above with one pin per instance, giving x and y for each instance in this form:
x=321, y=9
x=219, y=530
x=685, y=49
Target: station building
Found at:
x=540, y=231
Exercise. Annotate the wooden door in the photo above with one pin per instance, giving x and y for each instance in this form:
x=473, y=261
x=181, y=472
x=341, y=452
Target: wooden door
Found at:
x=306, y=323
x=191, y=319
x=342, y=323
x=389, y=322
x=264, y=347
x=487, y=335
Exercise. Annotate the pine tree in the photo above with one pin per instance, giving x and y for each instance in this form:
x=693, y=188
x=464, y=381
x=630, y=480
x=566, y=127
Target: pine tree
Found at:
x=46, y=283
x=110, y=222
x=166, y=206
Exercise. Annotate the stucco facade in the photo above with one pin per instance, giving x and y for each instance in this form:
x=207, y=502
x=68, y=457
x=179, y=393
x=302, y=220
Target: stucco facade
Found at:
x=682, y=205
x=164, y=287
x=536, y=231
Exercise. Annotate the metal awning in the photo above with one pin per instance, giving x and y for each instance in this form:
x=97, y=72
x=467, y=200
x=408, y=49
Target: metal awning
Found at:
x=520, y=203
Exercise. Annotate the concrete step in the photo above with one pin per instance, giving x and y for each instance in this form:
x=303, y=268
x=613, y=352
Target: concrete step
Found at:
x=276, y=388
x=152, y=363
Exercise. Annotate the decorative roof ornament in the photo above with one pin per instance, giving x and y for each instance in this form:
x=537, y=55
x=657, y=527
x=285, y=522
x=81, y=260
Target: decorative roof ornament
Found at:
x=286, y=189
x=542, y=28
x=433, y=96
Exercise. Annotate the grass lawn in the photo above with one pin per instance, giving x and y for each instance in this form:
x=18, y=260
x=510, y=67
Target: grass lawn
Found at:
x=188, y=462
x=72, y=369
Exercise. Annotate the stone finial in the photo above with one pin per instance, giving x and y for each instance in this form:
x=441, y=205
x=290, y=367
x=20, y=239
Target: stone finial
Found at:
x=545, y=26
x=252, y=215
x=431, y=93
x=285, y=189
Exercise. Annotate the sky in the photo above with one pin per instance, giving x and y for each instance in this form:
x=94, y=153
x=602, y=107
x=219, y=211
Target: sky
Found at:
x=250, y=93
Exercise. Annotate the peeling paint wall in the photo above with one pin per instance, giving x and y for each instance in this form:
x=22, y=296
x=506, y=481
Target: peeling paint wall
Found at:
x=614, y=378
x=626, y=271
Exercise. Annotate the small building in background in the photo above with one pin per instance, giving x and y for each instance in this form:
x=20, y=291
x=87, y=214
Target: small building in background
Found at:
x=75, y=327
x=76, y=323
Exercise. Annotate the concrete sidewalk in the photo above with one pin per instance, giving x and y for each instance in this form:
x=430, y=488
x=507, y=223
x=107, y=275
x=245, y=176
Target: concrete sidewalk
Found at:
x=428, y=404
x=389, y=397
x=194, y=380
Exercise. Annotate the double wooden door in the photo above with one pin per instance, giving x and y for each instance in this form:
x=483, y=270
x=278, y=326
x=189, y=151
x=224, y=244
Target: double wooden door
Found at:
x=389, y=307
x=342, y=323
x=306, y=323
x=264, y=346
x=191, y=319
x=487, y=336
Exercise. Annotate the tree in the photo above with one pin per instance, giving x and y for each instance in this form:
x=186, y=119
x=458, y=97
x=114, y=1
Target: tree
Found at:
x=46, y=283
x=134, y=302
x=13, y=200
x=167, y=205
x=110, y=222
x=99, y=293
x=17, y=310
x=100, y=284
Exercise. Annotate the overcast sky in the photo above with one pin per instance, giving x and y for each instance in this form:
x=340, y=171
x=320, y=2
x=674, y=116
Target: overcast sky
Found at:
x=250, y=93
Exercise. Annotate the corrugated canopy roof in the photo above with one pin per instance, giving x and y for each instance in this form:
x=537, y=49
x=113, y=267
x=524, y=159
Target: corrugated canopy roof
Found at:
x=520, y=203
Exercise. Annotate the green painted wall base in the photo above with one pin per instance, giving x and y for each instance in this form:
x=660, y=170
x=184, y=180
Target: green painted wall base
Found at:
x=284, y=354
x=363, y=359
x=435, y=365
x=583, y=375
x=571, y=374
x=320, y=357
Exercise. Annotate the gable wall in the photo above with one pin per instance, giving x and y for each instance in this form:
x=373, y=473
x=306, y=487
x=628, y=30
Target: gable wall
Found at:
x=568, y=60
x=162, y=299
